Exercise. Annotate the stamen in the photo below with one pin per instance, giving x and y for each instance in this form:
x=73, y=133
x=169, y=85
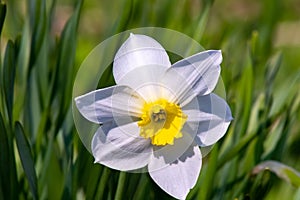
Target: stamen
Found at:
x=162, y=122
x=158, y=114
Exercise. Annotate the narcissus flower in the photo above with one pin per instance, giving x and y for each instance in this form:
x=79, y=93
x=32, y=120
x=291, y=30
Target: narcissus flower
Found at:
x=158, y=114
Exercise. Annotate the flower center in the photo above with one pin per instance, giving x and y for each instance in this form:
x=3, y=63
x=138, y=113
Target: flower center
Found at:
x=158, y=114
x=161, y=121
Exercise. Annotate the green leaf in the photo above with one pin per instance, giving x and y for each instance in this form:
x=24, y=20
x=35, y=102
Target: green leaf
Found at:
x=125, y=17
x=92, y=181
x=143, y=187
x=272, y=68
x=64, y=71
x=9, y=71
x=8, y=180
x=55, y=176
x=235, y=150
x=37, y=9
x=285, y=93
x=271, y=71
x=51, y=178
x=121, y=185
x=103, y=183
x=2, y=15
x=275, y=136
x=202, y=21
x=283, y=171
x=4, y=158
x=26, y=158
x=22, y=61
x=246, y=95
x=206, y=189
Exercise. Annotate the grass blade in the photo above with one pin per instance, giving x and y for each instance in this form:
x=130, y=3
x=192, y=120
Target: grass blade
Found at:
x=121, y=185
x=281, y=170
x=8, y=181
x=26, y=158
x=9, y=71
x=2, y=15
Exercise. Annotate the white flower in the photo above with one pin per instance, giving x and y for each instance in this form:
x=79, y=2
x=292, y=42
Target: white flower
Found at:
x=158, y=114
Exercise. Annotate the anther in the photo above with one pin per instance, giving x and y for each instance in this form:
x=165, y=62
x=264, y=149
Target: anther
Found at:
x=159, y=115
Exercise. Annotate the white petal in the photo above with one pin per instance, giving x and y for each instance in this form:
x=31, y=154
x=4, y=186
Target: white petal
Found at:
x=200, y=72
x=102, y=105
x=121, y=148
x=180, y=176
x=170, y=153
x=145, y=80
x=137, y=51
x=178, y=89
x=212, y=118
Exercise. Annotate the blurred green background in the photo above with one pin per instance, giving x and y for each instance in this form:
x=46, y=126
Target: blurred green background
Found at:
x=43, y=44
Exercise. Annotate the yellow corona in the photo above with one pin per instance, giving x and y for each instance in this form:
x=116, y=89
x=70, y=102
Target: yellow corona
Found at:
x=162, y=122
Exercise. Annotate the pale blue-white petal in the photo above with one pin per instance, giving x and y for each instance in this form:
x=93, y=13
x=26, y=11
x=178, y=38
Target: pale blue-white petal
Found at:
x=137, y=51
x=212, y=118
x=200, y=73
x=179, y=177
x=102, y=105
x=170, y=153
x=121, y=148
x=177, y=88
x=145, y=80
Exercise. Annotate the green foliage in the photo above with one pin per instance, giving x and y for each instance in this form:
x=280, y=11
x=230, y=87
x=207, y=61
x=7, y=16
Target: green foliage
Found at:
x=285, y=172
x=41, y=156
x=26, y=159
x=2, y=15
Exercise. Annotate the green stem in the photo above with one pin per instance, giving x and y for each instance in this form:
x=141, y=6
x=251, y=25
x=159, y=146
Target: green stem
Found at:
x=206, y=189
x=121, y=183
x=103, y=181
x=143, y=183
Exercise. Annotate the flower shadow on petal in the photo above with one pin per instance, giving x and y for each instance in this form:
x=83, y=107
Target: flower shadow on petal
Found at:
x=211, y=130
x=171, y=153
x=183, y=157
x=178, y=177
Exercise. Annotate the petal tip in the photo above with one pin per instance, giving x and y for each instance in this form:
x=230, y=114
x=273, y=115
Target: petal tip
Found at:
x=217, y=54
x=220, y=56
x=77, y=100
x=131, y=35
